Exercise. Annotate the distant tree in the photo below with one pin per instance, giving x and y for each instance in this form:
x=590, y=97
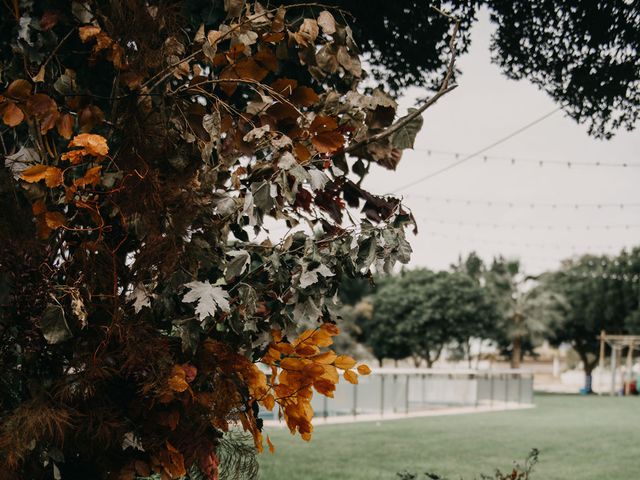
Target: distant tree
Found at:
x=525, y=313
x=381, y=332
x=420, y=312
x=352, y=291
x=602, y=293
x=585, y=55
x=472, y=266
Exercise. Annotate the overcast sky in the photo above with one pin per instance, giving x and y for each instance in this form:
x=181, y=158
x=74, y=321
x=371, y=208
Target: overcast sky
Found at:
x=484, y=108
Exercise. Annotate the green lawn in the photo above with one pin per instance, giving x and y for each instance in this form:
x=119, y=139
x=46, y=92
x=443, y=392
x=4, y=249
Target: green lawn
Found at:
x=580, y=438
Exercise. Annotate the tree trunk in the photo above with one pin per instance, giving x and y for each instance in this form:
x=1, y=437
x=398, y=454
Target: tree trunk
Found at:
x=468, y=352
x=516, y=352
x=395, y=362
x=588, y=371
x=417, y=361
x=380, y=362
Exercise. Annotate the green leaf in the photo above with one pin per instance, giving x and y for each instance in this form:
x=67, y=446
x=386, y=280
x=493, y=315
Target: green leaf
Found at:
x=406, y=136
x=240, y=260
x=54, y=325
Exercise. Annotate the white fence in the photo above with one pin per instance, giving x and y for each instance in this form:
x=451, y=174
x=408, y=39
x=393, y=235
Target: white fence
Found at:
x=404, y=391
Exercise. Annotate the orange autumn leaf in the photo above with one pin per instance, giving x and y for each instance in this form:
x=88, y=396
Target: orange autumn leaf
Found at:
x=54, y=220
x=330, y=374
x=87, y=32
x=91, y=177
x=34, y=174
x=344, y=362
x=269, y=402
x=328, y=142
x=292, y=363
x=19, y=89
x=351, y=376
x=330, y=328
x=364, y=370
x=64, y=125
x=51, y=175
x=324, y=387
x=284, y=348
x=12, y=115
x=271, y=447
x=306, y=350
x=276, y=334
x=324, y=358
x=322, y=123
x=302, y=153
x=177, y=381
x=315, y=336
x=93, y=144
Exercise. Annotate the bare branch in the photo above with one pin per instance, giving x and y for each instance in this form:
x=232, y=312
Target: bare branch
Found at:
x=443, y=90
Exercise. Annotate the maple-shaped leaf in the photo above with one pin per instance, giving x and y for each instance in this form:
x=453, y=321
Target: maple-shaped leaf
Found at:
x=209, y=298
x=406, y=136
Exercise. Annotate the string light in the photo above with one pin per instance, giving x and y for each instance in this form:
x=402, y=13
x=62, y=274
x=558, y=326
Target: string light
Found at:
x=543, y=245
x=514, y=226
x=519, y=160
x=515, y=204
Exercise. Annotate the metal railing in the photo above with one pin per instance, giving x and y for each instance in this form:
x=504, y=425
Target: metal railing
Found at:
x=397, y=391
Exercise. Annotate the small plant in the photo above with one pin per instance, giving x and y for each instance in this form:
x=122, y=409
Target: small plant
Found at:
x=519, y=472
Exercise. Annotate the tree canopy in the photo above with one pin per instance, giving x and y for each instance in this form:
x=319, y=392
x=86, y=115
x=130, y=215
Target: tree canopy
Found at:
x=419, y=312
x=602, y=293
x=584, y=54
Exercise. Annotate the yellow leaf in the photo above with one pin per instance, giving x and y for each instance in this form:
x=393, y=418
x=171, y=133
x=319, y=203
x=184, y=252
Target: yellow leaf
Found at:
x=344, y=362
x=364, y=370
x=351, y=376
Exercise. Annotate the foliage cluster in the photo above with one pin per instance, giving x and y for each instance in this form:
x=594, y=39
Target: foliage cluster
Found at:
x=147, y=149
x=420, y=312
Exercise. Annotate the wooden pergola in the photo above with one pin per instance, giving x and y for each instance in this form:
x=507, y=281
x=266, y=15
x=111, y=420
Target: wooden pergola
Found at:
x=618, y=343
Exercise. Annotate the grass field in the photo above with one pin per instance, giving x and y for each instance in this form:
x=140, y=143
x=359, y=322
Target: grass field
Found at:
x=580, y=438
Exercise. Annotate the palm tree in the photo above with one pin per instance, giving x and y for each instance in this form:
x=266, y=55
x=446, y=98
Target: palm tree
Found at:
x=527, y=310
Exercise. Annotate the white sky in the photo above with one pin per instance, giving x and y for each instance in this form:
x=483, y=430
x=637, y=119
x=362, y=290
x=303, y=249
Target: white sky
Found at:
x=485, y=107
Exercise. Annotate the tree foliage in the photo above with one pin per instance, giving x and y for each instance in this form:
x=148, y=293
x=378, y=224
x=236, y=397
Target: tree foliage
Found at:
x=527, y=312
x=584, y=54
x=420, y=312
x=602, y=294
x=147, y=149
